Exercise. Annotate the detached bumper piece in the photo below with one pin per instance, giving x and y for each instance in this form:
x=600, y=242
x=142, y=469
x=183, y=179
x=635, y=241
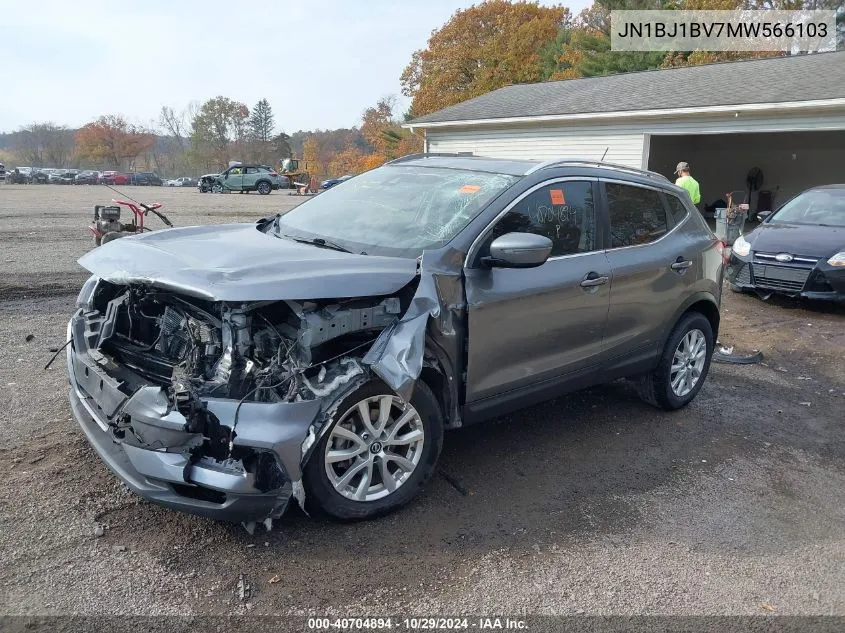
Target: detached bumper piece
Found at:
x=188, y=460
x=804, y=277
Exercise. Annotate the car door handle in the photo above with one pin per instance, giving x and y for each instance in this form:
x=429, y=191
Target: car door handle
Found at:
x=594, y=279
x=680, y=264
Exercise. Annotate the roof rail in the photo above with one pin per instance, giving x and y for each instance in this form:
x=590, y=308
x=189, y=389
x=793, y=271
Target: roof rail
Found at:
x=560, y=162
x=402, y=159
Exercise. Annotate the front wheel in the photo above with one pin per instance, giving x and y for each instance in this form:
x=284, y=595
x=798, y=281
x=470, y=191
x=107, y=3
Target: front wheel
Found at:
x=216, y=188
x=377, y=453
x=683, y=365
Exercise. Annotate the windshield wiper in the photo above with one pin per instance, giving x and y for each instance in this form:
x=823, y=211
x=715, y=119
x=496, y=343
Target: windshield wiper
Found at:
x=318, y=241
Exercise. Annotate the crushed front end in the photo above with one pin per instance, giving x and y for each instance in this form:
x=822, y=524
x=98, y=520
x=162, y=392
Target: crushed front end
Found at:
x=211, y=407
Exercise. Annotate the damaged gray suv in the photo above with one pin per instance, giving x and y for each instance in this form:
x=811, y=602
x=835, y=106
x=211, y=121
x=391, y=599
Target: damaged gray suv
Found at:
x=319, y=355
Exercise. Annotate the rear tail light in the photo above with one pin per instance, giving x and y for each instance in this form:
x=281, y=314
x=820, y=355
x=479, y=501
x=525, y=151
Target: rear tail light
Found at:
x=272, y=173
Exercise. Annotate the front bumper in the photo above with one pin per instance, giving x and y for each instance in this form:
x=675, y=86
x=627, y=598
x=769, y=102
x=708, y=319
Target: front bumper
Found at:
x=167, y=475
x=821, y=281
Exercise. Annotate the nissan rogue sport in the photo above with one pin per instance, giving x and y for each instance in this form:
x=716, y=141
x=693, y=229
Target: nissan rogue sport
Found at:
x=319, y=355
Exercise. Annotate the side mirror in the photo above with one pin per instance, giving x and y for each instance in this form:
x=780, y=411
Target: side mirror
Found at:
x=762, y=215
x=518, y=250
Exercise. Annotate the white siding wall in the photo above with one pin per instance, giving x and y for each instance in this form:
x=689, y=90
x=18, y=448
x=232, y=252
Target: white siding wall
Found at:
x=542, y=143
x=628, y=141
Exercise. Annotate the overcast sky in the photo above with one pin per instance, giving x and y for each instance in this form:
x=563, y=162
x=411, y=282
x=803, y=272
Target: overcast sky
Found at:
x=320, y=63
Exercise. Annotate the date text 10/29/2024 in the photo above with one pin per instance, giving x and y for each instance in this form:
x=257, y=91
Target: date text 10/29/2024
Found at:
x=416, y=624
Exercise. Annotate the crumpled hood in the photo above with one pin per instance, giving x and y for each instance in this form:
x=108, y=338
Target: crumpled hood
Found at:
x=237, y=262
x=797, y=239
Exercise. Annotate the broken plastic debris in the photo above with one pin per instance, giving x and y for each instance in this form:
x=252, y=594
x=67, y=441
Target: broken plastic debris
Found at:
x=729, y=358
x=806, y=404
x=244, y=590
x=275, y=579
x=726, y=350
x=768, y=607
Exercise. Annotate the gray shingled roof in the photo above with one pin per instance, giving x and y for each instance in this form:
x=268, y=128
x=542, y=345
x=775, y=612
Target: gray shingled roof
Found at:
x=773, y=80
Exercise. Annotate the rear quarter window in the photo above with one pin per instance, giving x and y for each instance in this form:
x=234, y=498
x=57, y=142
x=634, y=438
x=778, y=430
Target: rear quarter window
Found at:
x=676, y=208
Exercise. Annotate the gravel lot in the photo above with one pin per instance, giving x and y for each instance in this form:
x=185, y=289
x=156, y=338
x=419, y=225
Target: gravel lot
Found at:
x=593, y=503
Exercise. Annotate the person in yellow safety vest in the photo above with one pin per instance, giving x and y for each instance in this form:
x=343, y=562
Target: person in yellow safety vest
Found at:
x=688, y=182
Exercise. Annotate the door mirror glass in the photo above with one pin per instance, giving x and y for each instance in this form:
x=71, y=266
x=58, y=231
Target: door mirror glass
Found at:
x=519, y=250
x=762, y=215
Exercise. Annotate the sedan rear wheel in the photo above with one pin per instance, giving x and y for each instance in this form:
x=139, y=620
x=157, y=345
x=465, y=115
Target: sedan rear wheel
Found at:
x=377, y=454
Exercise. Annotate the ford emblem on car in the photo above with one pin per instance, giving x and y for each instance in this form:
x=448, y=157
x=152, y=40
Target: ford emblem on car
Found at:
x=784, y=257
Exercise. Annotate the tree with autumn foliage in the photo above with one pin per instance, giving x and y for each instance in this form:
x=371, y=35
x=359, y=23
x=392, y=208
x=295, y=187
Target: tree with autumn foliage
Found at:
x=482, y=48
x=220, y=129
x=385, y=133
x=113, y=142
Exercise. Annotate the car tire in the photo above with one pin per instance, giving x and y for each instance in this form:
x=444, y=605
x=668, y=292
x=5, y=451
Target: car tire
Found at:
x=264, y=187
x=332, y=497
x=216, y=188
x=681, y=372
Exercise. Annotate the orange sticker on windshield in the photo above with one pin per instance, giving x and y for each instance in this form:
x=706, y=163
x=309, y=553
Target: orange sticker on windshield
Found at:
x=470, y=188
x=557, y=196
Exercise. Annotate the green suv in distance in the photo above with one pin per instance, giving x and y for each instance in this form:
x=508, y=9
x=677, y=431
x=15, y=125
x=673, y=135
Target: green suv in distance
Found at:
x=242, y=178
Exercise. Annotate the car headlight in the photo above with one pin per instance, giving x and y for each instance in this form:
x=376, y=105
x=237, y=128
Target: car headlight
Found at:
x=86, y=295
x=838, y=259
x=741, y=247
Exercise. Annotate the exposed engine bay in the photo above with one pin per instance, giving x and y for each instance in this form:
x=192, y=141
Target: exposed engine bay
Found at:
x=263, y=352
x=198, y=355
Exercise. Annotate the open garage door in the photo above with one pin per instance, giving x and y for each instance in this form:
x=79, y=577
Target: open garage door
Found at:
x=790, y=162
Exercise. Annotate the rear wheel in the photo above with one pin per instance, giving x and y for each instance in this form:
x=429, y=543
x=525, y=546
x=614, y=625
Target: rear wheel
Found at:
x=264, y=187
x=683, y=365
x=377, y=453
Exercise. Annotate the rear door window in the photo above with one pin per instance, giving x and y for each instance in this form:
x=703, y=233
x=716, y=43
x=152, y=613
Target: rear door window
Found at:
x=637, y=215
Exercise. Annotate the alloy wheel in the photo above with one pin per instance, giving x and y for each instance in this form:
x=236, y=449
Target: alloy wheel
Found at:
x=688, y=362
x=374, y=448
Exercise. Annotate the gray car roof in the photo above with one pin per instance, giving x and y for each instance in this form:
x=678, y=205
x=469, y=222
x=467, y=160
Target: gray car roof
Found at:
x=772, y=80
x=471, y=163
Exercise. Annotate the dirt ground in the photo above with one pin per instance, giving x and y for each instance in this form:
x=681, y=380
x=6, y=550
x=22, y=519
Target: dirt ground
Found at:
x=591, y=504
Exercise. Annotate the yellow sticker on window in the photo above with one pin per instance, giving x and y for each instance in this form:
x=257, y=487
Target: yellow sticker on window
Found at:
x=469, y=188
x=557, y=196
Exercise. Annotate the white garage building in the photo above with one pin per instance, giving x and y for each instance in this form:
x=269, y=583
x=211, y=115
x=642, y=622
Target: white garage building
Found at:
x=784, y=116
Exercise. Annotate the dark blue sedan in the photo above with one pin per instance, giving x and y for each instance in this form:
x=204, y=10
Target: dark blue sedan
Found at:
x=331, y=182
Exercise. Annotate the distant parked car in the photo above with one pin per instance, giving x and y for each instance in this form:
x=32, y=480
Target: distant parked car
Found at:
x=184, y=181
x=122, y=179
x=2, y=171
x=107, y=177
x=19, y=176
x=41, y=175
x=206, y=182
x=798, y=251
x=68, y=177
x=331, y=182
x=87, y=177
x=145, y=178
x=243, y=178
x=55, y=176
